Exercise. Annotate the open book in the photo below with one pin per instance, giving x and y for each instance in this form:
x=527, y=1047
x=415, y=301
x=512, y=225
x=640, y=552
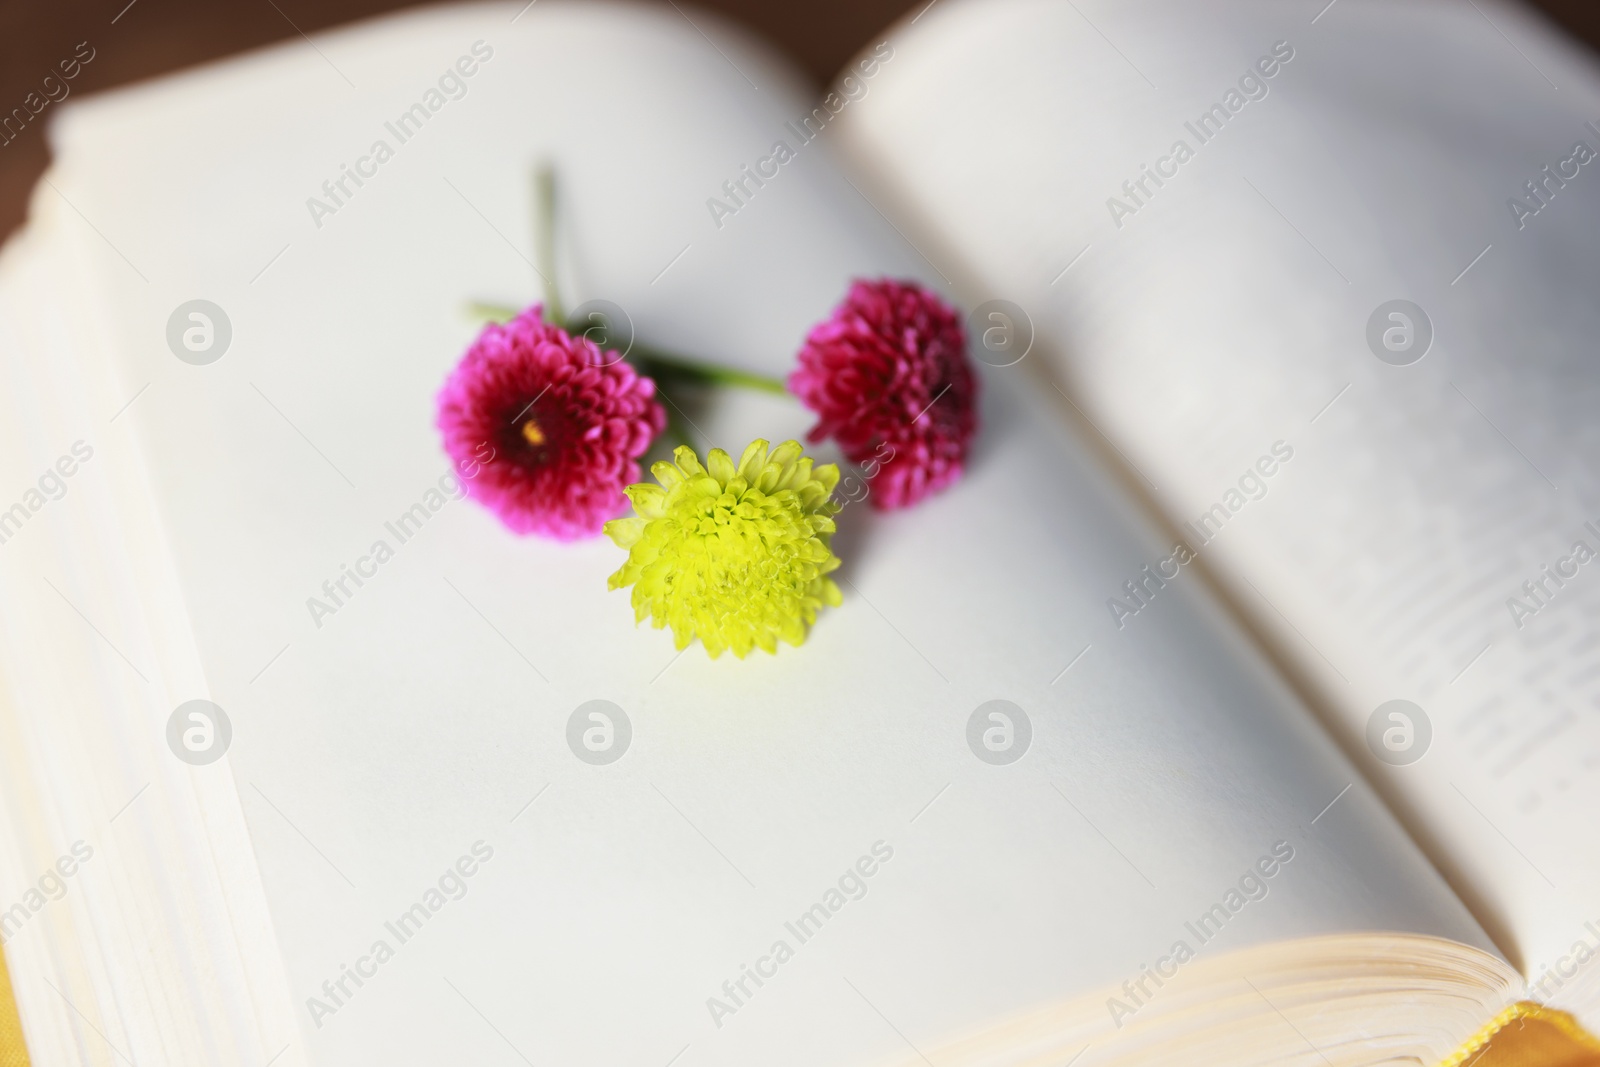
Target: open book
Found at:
x=1199, y=723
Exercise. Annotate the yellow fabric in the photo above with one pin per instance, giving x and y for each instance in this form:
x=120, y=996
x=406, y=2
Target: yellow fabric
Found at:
x=1529, y=1035
x=13, y=1053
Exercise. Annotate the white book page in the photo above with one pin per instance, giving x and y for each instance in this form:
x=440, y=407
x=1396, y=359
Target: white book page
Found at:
x=424, y=724
x=1203, y=319
x=150, y=925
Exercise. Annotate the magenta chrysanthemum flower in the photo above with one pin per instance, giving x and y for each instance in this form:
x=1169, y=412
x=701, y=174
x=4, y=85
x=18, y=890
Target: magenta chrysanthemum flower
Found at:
x=888, y=377
x=545, y=429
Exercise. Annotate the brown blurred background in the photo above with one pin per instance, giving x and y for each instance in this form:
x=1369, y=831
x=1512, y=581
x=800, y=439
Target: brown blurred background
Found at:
x=149, y=37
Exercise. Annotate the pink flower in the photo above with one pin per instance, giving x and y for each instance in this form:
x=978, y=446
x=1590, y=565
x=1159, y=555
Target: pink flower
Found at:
x=545, y=429
x=888, y=377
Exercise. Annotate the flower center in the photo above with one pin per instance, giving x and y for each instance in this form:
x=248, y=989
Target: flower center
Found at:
x=532, y=434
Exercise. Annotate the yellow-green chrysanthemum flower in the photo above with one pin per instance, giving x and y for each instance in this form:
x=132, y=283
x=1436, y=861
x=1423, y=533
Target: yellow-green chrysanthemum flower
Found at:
x=736, y=556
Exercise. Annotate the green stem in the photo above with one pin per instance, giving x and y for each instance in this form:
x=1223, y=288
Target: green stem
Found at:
x=653, y=362
x=544, y=196
x=483, y=312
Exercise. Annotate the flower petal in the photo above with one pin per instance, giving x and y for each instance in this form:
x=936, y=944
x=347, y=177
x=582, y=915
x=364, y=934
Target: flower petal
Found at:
x=715, y=556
